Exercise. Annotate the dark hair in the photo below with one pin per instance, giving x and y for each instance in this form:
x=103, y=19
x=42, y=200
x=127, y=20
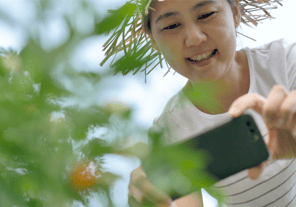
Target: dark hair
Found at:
x=147, y=25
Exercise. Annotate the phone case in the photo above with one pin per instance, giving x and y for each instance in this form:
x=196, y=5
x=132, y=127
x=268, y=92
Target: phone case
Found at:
x=230, y=148
x=233, y=147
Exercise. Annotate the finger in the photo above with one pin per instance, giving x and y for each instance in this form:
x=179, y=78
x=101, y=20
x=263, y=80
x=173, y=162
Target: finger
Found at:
x=265, y=163
x=137, y=174
x=286, y=145
x=255, y=172
x=287, y=111
x=273, y=104
x=152, y=193
x=273, y=143
x=136, y=198
x=149, y=203
x=293, y=132
x=270, y=137
x=247, y=101
x=133, y=202
x=292, y=124
x=135, y=193
x=148, y=191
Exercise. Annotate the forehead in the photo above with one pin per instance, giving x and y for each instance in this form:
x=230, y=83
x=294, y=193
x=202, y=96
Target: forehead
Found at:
x=160, y=7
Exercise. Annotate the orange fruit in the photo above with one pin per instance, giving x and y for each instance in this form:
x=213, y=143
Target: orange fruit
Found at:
x=84, y=176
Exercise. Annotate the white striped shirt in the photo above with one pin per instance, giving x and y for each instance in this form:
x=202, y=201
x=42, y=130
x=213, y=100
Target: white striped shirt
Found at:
x=275, y=187
x=269, y=65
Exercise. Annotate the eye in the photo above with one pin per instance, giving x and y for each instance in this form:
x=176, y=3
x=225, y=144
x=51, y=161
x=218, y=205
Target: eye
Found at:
x=205, y=16
x=173, y=26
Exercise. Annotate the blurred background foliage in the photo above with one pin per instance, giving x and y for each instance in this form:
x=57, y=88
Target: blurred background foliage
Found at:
x=51, y=147
x=53, y=139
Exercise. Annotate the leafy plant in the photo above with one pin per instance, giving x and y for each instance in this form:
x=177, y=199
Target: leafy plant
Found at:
x=47, y=157
x=41, y=164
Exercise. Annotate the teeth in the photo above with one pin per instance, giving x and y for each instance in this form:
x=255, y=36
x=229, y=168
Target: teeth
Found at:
x=202, y=56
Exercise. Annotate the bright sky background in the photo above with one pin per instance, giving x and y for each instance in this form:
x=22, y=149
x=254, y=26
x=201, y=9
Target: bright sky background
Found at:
x=147, y=99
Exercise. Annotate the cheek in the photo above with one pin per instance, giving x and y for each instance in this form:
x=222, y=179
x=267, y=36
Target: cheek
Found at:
x=170, y=50
x=225, y=38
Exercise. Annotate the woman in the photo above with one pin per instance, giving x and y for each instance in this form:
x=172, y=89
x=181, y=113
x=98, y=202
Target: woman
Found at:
x=198, y=40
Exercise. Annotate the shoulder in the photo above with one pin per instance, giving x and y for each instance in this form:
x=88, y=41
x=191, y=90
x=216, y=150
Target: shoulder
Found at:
x=272, y=56
x=274, y=47
x=171, y=115
x=171, y=107
x=274, y=63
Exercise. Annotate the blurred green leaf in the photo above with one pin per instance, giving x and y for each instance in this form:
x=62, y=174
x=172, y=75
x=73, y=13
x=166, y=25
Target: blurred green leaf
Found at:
x=82, y=119
x=115, y=18
x=96, y=148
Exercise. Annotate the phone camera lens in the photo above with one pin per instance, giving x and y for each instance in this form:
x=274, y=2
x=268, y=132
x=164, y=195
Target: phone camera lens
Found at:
x=252, y=131
x=248, y=123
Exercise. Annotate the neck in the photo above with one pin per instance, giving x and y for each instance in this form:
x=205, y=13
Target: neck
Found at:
x=216, y=96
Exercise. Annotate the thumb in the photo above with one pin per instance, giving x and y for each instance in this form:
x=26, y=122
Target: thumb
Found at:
x=256, y=171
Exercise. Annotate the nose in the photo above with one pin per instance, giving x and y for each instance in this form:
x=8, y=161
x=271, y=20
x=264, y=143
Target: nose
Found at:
x=194, y=36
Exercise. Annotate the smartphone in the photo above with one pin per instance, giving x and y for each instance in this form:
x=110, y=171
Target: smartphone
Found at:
x=221, y=152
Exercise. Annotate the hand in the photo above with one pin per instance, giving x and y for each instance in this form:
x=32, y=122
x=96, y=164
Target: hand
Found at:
x=279, y=114
x=143, y=193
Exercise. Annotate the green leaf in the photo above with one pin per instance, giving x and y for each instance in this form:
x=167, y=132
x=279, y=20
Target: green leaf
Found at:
x=95, y=148
x=81, y=119
x=115, y=18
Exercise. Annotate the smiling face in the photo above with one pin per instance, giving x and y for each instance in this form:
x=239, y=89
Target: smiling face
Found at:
x=196, y=37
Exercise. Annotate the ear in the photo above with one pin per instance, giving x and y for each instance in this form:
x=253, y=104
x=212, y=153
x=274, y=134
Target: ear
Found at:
x=236, y=13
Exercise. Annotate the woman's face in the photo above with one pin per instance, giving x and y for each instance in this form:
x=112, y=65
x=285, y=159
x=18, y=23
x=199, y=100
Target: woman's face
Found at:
x=196, y=37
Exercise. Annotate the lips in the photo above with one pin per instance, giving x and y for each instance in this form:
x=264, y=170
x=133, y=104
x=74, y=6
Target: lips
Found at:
x=205, y=56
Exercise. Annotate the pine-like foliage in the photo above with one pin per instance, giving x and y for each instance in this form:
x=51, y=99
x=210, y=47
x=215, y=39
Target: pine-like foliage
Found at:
x=130, y=39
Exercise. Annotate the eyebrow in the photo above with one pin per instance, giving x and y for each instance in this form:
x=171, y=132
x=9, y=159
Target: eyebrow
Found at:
x=195, y=7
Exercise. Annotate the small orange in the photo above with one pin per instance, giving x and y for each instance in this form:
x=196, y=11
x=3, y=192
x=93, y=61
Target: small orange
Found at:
x=84, y=176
